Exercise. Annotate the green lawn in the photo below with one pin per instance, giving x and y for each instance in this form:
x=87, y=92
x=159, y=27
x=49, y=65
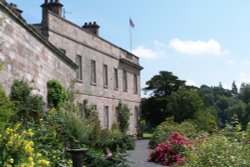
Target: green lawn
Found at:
x=147, y=135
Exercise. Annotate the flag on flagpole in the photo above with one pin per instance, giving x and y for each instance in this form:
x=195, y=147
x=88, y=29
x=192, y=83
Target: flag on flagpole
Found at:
x=131, y=23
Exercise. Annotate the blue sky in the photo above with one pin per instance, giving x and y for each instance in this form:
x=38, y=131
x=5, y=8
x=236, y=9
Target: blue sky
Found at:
x=200, y=41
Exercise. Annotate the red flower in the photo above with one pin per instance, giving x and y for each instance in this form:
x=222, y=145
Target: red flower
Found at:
x=168, y=153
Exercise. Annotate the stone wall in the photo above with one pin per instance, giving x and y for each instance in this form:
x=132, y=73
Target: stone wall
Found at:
x=25, y=56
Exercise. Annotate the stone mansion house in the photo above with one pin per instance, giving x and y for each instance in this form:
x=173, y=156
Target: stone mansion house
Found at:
x=56, y=48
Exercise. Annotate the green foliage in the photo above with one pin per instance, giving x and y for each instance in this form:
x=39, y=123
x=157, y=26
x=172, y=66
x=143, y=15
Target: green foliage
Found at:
x=77, y=131
x=228, y=103
x=207, y=95
x=165, y=129
x=234, y=88
x=172, y=98
x=183, y=104
x=47, y=140
x=96, y=158
x=164, y=84
x=6, y=111
x=244, y=93
x=248, y=128
x=26, y=105
x=74, y=129
x=17, y=148
x=205, y=119
x=20, y=92
x=219, y=150
x=123, y=118
x=154, y=111
x=56, y=94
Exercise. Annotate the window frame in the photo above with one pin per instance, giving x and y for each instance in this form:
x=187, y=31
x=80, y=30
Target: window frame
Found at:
x=105, y=76
x=79, y=69
x=136, y=116
x=135, y=84
x=116, y=79
x=125, y=81
x=93, y=72
x=106, y=117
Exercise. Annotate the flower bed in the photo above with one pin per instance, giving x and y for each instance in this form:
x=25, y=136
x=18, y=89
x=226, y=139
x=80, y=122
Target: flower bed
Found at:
x=170, y=152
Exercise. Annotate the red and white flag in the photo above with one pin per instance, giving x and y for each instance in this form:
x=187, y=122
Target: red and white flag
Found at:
x=131, y=23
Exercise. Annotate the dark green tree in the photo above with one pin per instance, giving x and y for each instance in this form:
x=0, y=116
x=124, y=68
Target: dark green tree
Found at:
x=154, y=110
x=207, y=95
x=237, y=107
x=183, y=104
x=163, y=84
x=244, y=93
x=234, y=89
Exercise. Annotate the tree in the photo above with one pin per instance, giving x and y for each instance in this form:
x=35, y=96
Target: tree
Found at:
x=207, y=95
x=164, y=84
x=234, y=89
x=161, y=86
x=244, y=93
x=183, y=104
x=154, y=110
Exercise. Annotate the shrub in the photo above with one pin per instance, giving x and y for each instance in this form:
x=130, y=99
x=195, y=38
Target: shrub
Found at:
x=170, y=152
x=218, y=150
x=96, y=158
x=26, y=105
x=6, y=111
x=205, y=119
x=74, y=129
x=17, y=149
x=123, y=118
x=167, y=128
x=20, y=92
x=47, y=141
x=78, y=131
x=56, y=94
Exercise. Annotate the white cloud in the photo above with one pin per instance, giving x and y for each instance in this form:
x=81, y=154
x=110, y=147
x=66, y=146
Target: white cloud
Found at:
x=156, y=52
x=159, y=44
x=210, y=47
x=244, y=78
x=190, y=82
x=230, y=62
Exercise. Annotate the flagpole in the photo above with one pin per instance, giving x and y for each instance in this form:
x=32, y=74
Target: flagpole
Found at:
x=130, y=34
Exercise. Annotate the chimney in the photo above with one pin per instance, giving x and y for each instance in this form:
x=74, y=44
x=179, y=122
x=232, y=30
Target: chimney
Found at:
x=92, y=28
x=53, y=5
x=14, y=8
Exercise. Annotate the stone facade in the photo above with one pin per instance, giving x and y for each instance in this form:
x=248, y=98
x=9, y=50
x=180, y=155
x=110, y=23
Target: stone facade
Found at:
x=26, y=55
x=106, y=74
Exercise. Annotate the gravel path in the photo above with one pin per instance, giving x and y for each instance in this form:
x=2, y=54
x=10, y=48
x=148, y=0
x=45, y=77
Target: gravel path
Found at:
x=138, y=157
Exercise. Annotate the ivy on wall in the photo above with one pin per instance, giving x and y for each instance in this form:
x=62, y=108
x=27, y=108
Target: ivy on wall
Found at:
x=56, y=94
x=123, y=118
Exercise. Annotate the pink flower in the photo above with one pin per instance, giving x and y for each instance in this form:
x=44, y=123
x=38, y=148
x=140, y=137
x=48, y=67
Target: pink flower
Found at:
x=168, y=153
